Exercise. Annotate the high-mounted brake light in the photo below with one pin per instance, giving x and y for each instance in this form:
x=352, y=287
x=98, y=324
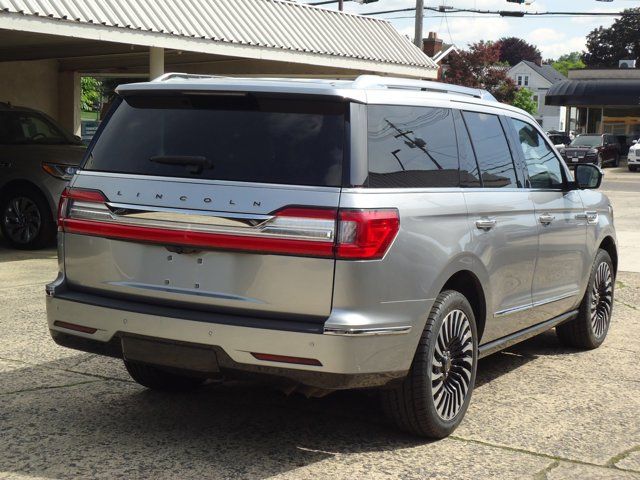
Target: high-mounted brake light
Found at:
x=299, y=231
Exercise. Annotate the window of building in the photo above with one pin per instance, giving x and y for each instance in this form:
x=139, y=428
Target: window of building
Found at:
x=526, y=80
x=411, y=147
x=543, y=166
x=492, y=150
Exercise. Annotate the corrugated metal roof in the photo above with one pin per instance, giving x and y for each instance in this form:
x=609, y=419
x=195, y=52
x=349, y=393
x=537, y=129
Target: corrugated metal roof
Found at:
x=276, y=24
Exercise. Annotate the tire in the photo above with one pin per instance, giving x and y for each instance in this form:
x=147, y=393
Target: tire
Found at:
x=26, y=220
x=589, y=329
x=632, y=168
x=157, y=378
x=419, y=404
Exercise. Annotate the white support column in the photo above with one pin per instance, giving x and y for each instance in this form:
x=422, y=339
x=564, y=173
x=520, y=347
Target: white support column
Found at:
x=69, y=92
x=156, y=62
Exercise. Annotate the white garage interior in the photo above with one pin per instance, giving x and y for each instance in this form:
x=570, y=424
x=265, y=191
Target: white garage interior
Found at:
x=46, y=46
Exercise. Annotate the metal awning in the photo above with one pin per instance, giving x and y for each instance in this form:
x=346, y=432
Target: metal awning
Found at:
x=274, y=30
x=594, y=92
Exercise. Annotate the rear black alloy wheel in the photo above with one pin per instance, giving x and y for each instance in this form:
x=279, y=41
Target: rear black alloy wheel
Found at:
x=589, y=329
x=452, y=364
x=22, y=220
x=435, y=395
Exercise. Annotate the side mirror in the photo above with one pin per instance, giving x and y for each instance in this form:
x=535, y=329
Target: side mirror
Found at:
x=588, y=176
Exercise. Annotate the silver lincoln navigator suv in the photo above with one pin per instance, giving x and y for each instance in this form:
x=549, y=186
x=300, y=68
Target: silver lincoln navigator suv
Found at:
x=326, y=235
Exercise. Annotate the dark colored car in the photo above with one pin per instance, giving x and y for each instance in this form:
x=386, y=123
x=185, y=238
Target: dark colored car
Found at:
x=598, y=149
x=37, y=160
x=559, y=138
x=624, y=142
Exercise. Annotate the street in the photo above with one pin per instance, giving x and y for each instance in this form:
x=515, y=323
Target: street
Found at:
x=539, y=410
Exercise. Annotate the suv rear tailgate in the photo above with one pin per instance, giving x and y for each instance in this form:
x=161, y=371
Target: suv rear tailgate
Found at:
x=191, y=188
x=158, y=272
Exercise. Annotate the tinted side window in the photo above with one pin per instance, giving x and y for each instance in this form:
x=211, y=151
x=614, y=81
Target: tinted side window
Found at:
x=411, y=147
x=542, y=164
x=469, y=174
x=492, y=150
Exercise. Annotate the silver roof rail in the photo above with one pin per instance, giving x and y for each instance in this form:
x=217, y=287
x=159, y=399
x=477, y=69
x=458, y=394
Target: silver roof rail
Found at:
x=183, y=76
x=375, y=81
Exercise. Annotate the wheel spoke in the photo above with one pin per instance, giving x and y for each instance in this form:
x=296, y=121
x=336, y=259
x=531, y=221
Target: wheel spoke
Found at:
x=452, y=364
x=601, y=301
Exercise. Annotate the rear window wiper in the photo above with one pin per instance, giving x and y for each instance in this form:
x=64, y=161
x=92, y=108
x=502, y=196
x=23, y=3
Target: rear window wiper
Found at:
x=198, y=163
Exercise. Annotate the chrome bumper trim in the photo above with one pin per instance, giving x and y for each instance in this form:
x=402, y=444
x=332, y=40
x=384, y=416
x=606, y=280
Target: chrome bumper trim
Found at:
x=366, y=332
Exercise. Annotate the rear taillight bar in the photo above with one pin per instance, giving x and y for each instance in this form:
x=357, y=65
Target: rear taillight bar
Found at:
x=345, y=234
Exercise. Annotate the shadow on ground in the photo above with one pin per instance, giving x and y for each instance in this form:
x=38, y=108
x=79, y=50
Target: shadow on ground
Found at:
x=113, y=428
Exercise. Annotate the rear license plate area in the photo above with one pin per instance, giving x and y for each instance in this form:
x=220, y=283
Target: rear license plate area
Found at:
x=170, y=354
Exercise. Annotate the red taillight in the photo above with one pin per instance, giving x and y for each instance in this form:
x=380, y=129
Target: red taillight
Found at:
x=366, y=234
x=77, y=194
x=302, y=231
x=75, y=327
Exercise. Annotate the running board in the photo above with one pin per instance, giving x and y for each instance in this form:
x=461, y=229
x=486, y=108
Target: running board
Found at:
x=517, y=337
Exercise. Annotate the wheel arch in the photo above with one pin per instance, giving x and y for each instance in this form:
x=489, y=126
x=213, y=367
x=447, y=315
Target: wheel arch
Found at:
x=608, y=244
x=27, y=185
x=468, y=284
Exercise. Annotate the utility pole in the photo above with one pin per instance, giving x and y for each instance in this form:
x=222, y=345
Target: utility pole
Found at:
x=340, y=5
x=419, y=18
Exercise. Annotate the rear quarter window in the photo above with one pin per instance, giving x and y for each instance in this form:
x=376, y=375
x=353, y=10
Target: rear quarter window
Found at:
x=411, y=147
x=243, y=138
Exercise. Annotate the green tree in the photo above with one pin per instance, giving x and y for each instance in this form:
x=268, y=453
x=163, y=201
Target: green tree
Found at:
x=91, y=93
x=605, y=46
x=524, y=100
x=570, y=61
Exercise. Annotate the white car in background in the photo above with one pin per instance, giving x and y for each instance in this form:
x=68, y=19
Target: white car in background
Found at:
x=633, y=157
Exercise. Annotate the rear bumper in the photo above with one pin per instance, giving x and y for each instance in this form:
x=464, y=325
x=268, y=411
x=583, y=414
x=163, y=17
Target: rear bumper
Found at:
x=346, y=361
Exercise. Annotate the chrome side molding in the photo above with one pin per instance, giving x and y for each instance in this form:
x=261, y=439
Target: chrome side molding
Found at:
x=539, y=303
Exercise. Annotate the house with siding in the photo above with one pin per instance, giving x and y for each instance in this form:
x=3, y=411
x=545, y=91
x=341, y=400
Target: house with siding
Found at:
x=539, y=79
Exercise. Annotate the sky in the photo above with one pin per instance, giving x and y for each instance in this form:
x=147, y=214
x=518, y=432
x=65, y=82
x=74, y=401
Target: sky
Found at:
x=554, y=36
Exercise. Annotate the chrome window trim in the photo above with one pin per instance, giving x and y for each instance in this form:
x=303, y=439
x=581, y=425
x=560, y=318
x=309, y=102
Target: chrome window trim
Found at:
x=539, y=303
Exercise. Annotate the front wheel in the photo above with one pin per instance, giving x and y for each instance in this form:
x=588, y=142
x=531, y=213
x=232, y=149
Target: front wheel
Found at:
x=26, y=220
x=589, y=329
x=435, y=395
x=632, y=168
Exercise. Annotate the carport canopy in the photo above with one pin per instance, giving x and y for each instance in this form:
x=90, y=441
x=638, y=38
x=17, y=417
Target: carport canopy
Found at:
x=262, y=30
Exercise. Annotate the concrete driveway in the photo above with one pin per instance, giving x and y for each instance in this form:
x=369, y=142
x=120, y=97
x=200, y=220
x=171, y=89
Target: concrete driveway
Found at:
x=539, y=410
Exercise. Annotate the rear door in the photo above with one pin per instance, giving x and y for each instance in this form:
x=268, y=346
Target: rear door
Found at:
x=563, y=259
x=503, y=225
x=215, y=202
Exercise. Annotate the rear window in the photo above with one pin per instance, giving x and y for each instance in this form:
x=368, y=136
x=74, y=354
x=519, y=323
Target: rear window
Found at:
x=225, y=137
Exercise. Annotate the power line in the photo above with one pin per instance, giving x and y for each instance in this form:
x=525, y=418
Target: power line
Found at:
x=506, y=13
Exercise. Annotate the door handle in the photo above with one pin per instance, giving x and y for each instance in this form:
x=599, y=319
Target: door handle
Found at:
x=486, y=223
x=546, y=218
